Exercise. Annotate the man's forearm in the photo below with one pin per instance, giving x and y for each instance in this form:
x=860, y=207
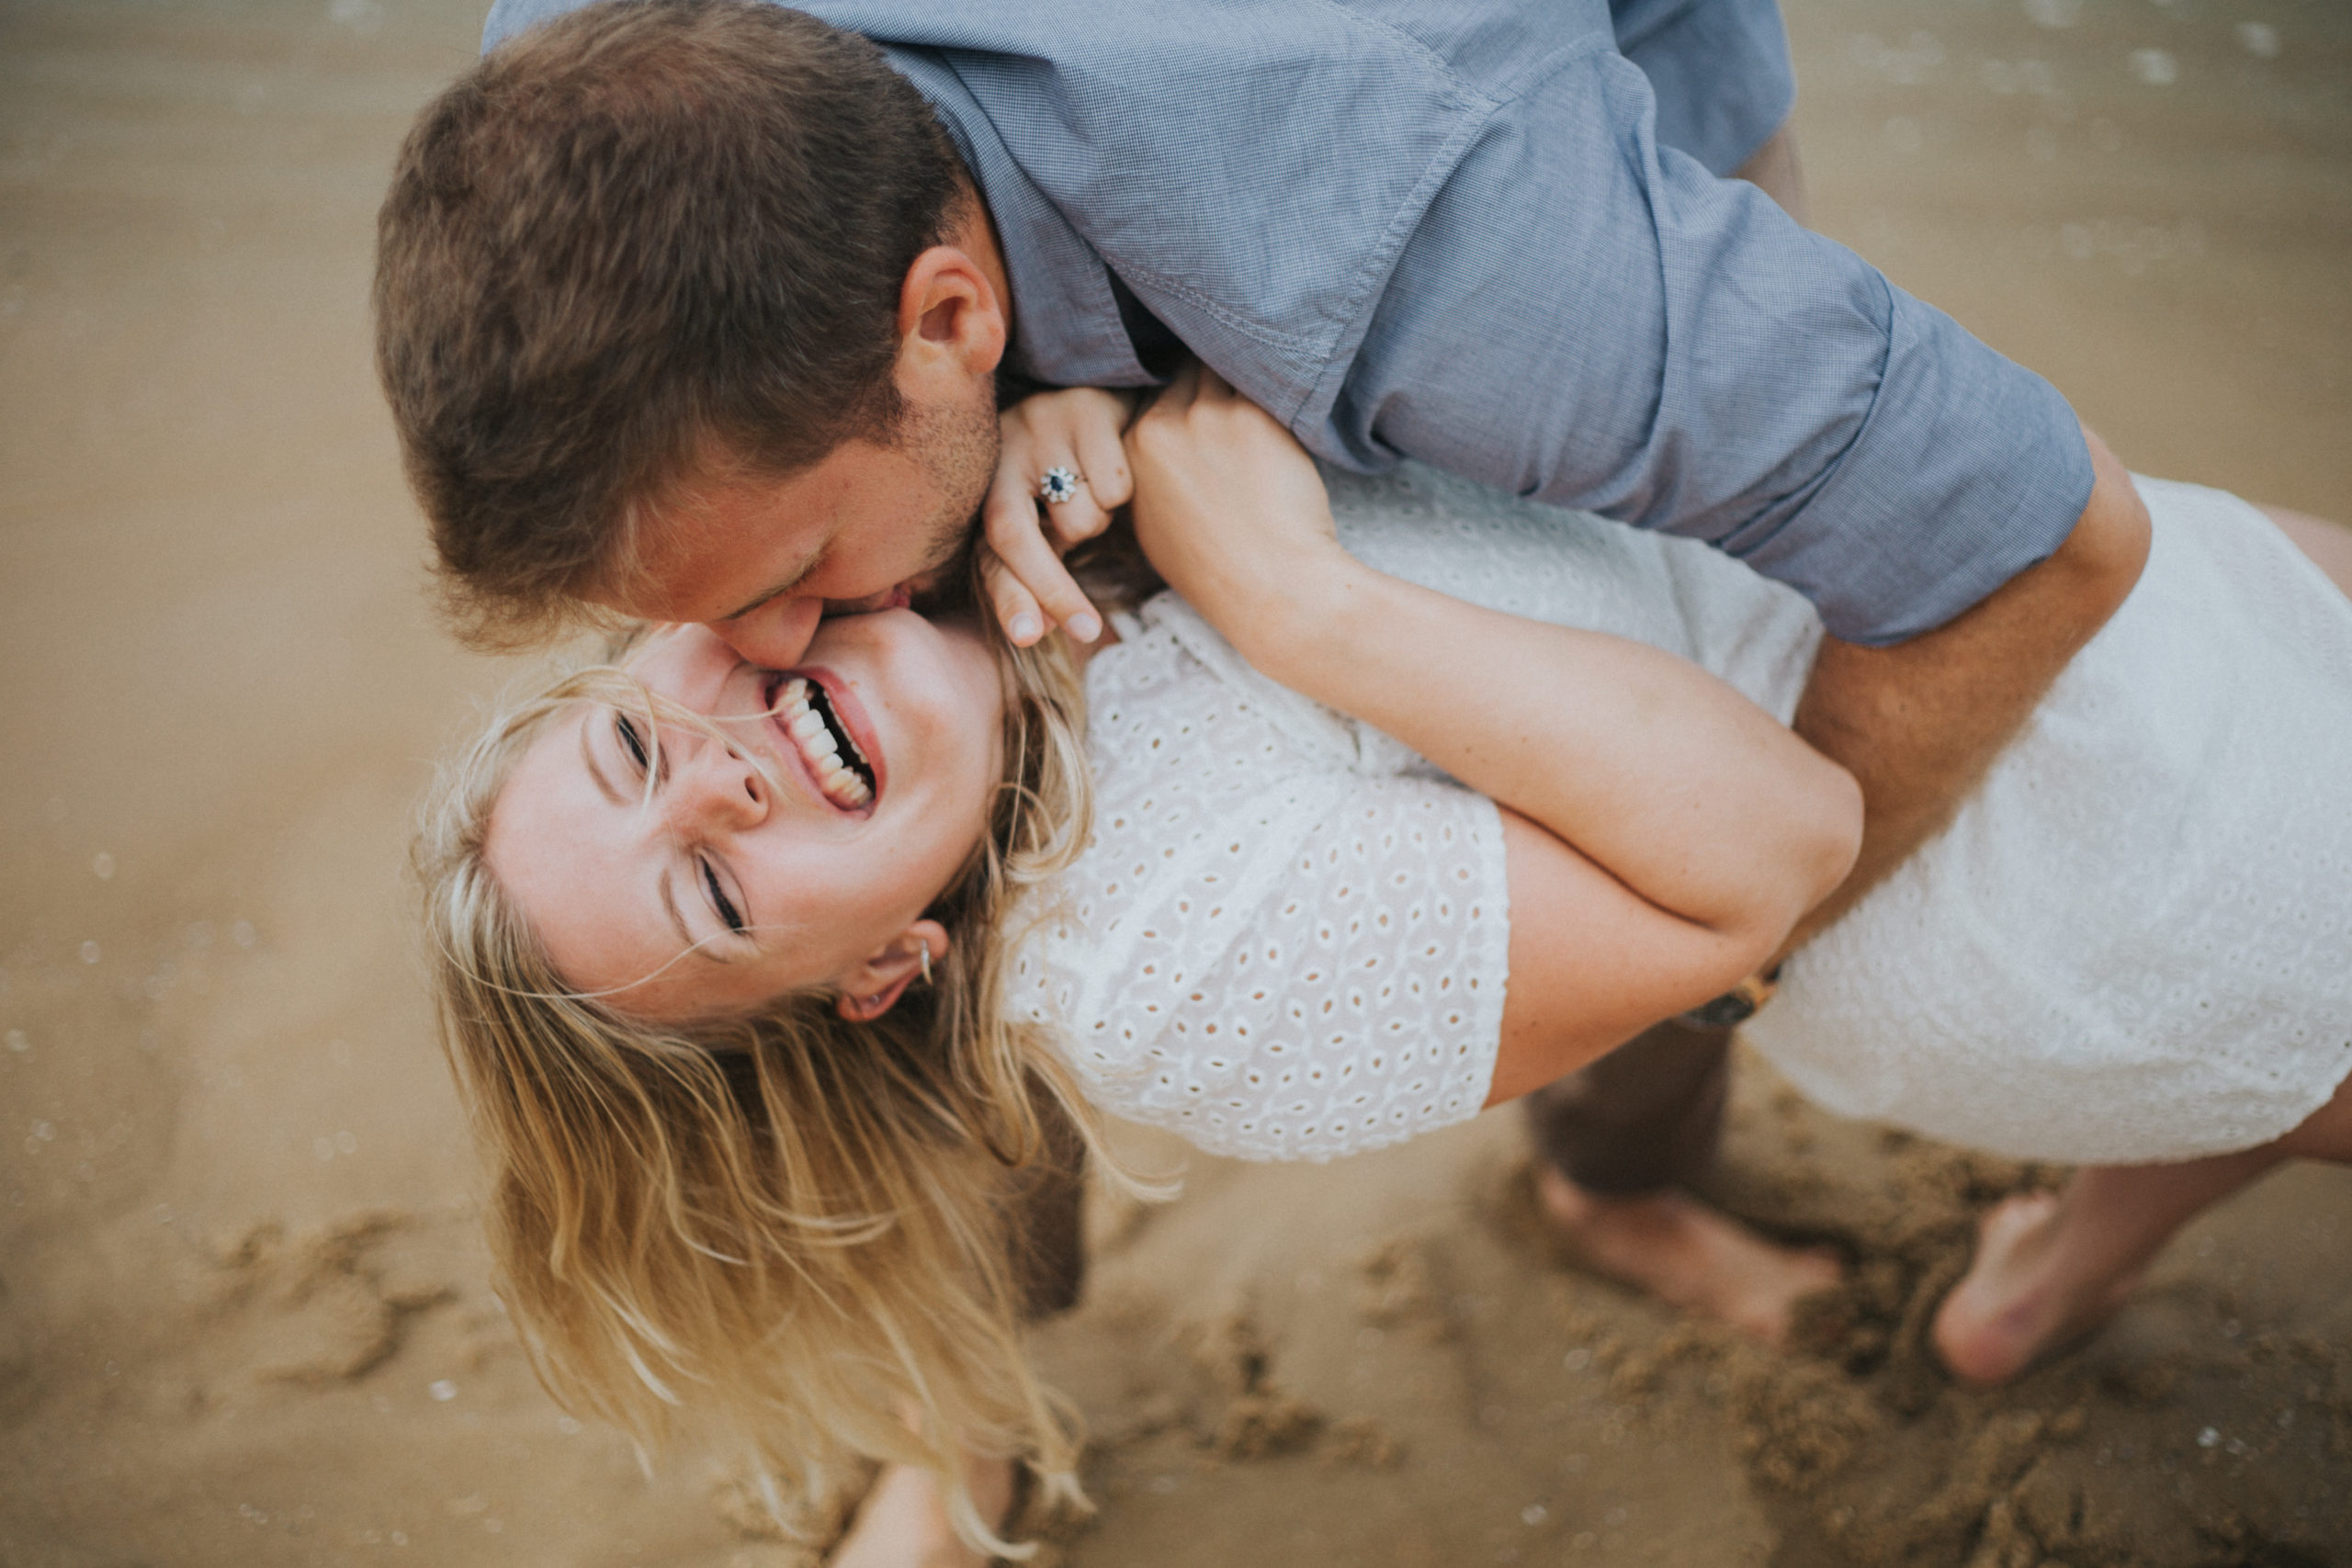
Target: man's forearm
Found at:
x=1919, y=724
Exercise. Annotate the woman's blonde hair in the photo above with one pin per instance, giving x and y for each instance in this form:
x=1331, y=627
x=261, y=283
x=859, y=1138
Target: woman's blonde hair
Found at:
x=793, y=1224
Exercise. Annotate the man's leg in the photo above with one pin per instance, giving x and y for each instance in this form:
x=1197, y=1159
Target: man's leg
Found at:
x=1639, y=1120
x=1047, y=1230
x=1615, y=1144
x=903, y=1521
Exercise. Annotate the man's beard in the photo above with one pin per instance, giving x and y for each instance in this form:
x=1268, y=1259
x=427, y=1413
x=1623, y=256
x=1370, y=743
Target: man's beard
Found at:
x=958, y=447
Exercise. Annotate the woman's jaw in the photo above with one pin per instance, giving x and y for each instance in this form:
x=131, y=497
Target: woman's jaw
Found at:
x=802, y=854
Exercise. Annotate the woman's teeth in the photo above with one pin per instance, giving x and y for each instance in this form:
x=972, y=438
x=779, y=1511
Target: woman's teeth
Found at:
x=823, y=744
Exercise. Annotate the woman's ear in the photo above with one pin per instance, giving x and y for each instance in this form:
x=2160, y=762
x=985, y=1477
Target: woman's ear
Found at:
x=873, y=987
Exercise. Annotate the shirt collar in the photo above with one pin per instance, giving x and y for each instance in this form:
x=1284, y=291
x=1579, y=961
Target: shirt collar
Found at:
x=1067, y=330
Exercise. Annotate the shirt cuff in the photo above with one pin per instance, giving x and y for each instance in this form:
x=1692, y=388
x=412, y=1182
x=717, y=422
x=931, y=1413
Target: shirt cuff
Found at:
x=1967, y=470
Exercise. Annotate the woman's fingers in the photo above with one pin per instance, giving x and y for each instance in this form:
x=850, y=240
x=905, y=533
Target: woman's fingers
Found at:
x=1075, y=433
x=1014, y=503
x=1015, y=606
x=1082, y=516
x=1228, y=505
x=1182, y=389
x=1027, y=581
x=1106, y=483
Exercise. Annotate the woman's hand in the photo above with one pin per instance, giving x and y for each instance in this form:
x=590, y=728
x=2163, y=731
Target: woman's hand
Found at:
x=1078, y=430
x=1229, y=508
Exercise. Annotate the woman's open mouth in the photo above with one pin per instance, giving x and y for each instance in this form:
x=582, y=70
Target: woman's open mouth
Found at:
x=805, y=713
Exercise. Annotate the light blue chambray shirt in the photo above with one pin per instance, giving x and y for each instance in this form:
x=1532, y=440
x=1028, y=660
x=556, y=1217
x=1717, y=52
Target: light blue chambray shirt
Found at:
x=1475, y=234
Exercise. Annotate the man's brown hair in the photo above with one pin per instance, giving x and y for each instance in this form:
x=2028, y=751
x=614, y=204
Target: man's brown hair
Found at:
x=640, y=232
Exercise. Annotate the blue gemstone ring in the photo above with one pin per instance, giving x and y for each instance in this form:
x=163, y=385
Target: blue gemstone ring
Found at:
x=1058, y=485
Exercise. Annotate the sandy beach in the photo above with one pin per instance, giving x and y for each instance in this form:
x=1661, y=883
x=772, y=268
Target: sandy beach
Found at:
x=244, y=1317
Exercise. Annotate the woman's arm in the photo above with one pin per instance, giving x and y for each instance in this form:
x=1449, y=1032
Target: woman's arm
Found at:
x=1663, y=833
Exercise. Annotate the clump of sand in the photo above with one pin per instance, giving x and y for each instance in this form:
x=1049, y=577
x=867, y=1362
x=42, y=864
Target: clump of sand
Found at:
x=1408, y=1308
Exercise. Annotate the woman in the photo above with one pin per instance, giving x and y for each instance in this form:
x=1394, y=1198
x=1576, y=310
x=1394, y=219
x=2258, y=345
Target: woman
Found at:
x=1289, y=935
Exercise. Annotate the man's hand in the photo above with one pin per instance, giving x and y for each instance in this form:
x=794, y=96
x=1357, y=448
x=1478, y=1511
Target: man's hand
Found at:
x=1078, y=430
x=1919, y=724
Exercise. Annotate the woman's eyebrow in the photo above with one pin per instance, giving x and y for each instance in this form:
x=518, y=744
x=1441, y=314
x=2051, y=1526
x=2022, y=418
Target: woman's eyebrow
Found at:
x=596, y=768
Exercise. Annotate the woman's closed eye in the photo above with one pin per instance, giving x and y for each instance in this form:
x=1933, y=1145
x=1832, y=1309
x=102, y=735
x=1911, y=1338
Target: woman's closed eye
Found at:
x=728, y=914
x=641, y=757
x=632, y=741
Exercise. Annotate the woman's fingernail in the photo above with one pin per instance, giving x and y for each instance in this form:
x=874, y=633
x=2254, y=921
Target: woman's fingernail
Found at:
x=1024, y=629
x=1084, y=627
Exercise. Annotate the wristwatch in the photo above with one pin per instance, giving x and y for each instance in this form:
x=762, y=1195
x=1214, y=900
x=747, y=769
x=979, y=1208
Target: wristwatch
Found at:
x=1736, y=1006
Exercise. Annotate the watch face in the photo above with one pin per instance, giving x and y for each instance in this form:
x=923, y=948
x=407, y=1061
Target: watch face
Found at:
x=1731, y=1007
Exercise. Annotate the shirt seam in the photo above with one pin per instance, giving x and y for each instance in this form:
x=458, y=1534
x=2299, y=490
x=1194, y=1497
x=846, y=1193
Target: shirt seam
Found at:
x=1362, y=296
x=1319, y=355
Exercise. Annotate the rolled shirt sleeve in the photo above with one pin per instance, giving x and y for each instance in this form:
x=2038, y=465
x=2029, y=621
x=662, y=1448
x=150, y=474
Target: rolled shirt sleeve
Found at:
x=1585, y=317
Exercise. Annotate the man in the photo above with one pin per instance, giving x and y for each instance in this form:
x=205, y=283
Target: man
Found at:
x=700, y=312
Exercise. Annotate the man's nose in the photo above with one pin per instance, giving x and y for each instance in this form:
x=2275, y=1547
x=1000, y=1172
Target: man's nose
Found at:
x=775, y=636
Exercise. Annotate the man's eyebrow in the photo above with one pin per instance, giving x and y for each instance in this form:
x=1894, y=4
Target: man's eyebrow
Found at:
x=596, y=768
x=780, y=589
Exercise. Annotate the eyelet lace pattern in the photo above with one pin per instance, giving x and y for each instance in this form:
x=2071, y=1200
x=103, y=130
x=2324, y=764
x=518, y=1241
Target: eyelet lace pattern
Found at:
x=1289, y=937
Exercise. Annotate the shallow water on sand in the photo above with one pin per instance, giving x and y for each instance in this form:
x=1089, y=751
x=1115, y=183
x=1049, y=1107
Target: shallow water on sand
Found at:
x=242, y=1314
x=2148, y=202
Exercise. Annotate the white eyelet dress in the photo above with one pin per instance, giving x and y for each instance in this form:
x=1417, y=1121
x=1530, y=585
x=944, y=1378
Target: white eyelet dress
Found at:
x=1289, y=937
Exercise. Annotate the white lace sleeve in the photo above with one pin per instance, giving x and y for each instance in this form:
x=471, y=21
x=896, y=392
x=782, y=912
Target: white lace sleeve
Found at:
x=1275, y=946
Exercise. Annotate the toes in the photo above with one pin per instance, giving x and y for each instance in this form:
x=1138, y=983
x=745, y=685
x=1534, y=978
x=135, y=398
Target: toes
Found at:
x=2013, y=1218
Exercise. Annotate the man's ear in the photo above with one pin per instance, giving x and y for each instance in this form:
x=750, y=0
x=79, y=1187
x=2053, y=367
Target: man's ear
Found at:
x=873, y=987
x=953, y=315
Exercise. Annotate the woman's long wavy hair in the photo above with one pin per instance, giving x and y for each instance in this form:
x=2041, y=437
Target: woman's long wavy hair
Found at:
x=791, y=1225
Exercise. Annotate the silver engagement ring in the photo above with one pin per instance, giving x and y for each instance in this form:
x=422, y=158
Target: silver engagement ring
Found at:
x=1058, y=485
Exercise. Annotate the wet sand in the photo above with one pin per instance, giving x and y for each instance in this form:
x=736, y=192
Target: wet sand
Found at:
x=242, y=1311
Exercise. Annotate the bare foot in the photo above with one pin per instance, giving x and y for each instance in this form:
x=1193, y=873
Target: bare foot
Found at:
x=2015, y=1304
x=903, y=1522
x=1687, y=1255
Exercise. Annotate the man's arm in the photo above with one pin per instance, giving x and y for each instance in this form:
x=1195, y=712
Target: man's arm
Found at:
x=1668, y=831
x=1737, y=379
x=1919, y=723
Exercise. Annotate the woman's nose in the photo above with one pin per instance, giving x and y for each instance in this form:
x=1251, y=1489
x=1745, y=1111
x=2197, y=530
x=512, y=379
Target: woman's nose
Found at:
x=712, y=785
